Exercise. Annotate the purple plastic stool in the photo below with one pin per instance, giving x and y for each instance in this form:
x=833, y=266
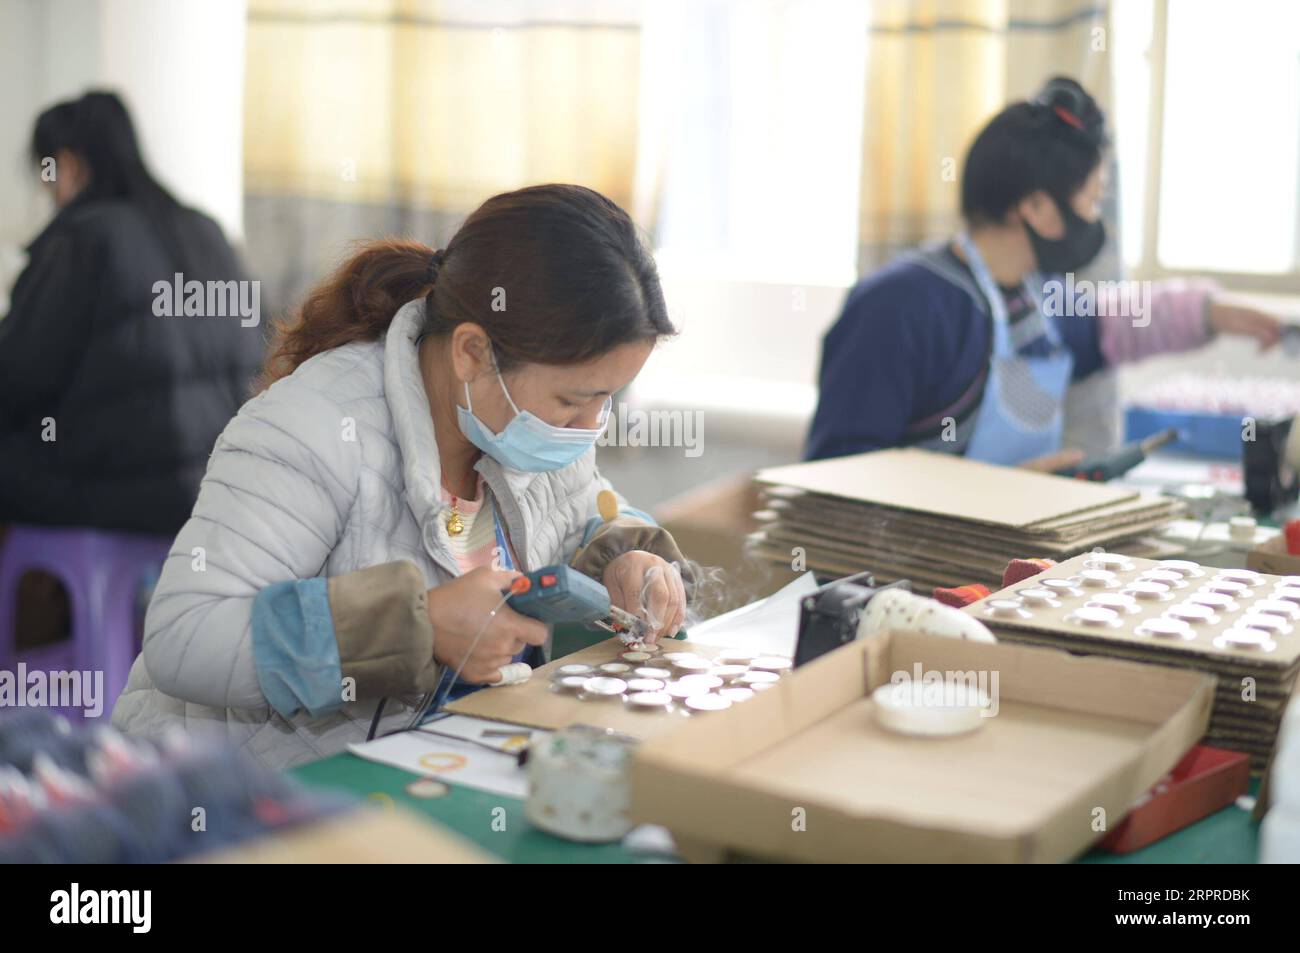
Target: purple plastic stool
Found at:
x=102, y=572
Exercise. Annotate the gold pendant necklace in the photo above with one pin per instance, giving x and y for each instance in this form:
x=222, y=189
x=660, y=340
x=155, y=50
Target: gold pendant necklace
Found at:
x=455, y=525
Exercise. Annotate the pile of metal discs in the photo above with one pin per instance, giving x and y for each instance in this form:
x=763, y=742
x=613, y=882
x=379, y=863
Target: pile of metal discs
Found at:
x=655, y=678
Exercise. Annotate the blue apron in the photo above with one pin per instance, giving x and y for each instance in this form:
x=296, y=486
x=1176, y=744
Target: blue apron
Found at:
x=533, y=654
x=1022, y=413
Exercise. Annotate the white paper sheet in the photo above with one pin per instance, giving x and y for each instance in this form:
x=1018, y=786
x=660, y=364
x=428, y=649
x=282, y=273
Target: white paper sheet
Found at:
x=770, y=626
x=455, y=760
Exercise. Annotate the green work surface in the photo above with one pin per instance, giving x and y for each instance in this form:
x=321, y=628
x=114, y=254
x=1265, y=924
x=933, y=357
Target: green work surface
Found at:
x=492, y=822
x=497, y=823
x=1228, y=837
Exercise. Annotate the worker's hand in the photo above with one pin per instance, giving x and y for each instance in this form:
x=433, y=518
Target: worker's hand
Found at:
x=1051, y=462
x=1228, y=318
x=459, y=608
x=650, y=588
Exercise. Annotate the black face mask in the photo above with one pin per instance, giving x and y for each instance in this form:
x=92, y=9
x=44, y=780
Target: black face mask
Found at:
x=1079, y=245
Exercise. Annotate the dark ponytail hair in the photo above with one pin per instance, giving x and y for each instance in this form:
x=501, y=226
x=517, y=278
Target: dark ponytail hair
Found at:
x=97, y=129
x=1051, y=143
x=555, y=274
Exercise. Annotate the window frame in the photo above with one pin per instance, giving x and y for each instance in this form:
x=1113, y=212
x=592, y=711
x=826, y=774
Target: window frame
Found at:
x=1148, y=265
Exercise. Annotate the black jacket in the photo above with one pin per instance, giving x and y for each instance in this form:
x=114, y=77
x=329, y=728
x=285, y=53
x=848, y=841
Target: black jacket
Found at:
x=133, y=401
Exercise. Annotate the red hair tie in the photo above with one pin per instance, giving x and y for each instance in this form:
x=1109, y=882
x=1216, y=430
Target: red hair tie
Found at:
x=1068, y=116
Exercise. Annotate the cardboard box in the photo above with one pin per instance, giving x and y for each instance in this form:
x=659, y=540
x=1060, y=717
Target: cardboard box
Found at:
x=1071, y=736
x=1272, y=558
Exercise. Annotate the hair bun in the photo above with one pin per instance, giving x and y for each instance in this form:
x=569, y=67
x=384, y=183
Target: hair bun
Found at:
x=1072, y=105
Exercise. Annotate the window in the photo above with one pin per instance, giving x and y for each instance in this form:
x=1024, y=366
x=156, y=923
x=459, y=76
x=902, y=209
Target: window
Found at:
x=1208, y=128
x=751, y=137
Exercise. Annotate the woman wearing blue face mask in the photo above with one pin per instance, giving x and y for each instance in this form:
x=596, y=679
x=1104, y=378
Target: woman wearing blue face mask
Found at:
x=428, y=433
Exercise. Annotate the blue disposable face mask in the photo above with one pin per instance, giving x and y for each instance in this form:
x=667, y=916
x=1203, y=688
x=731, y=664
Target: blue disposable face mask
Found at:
x=528, y=442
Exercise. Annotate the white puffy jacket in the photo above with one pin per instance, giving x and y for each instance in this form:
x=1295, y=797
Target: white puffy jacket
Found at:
x=332, y=469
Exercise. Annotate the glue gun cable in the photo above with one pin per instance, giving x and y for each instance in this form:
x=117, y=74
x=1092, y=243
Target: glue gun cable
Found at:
x=433, y=703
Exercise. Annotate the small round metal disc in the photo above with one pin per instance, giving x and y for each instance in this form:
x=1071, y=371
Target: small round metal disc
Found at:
x=1268, y=623
x=1062, y=586
x=1193, y=612
x=1279, y=607
x=615, y=668
x=650, y=648
x=692, y=665
x=734, y=695
x=1184, y=567
x=1163, y=628
x=636, y=657
x=1039, y=597
x=1098, y=578
x=1256, y=639
x=728, y=673
x=771, y=663
x=1247, y=577
x=1174, y=580
x=427, y=789
x=604, y=686
x=574, y=668
x=1007, y=609
x=649, y=699
x=1289, y=593
x=646, y=671
x=1228, y=587
x=569, y=683
x=736, y=657
x=680, y=690
x=1215, y=600
x=707, y=703
x=1113, y=600
x=660, y=663
x=758, y=678
x=707, y=682
x=645, y=685
x=1148, y=590
x=760, y=686
x=1093, y=615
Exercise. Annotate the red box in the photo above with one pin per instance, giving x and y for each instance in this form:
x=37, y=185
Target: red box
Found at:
x=1205, y=781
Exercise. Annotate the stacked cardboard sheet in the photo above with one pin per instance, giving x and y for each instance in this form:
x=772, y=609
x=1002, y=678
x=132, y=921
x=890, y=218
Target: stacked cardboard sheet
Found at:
x=941, y=520
x=1250, y=640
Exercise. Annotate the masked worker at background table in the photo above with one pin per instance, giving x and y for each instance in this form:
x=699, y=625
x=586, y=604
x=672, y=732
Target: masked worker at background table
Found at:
x=968, y=346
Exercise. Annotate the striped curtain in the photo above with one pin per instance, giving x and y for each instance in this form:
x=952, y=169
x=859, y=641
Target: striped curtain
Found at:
x=397, y=117
x=937, y=70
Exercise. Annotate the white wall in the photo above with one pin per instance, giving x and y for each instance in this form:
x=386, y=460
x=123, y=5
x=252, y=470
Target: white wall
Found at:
x=747, y=355
x=179, y=64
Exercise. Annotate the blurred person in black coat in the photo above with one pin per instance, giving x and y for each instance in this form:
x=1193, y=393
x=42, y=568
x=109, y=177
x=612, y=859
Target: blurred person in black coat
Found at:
x=111, y=396
x=109, y=406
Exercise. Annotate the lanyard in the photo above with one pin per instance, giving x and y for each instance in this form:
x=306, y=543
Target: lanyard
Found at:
x=507, y=562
